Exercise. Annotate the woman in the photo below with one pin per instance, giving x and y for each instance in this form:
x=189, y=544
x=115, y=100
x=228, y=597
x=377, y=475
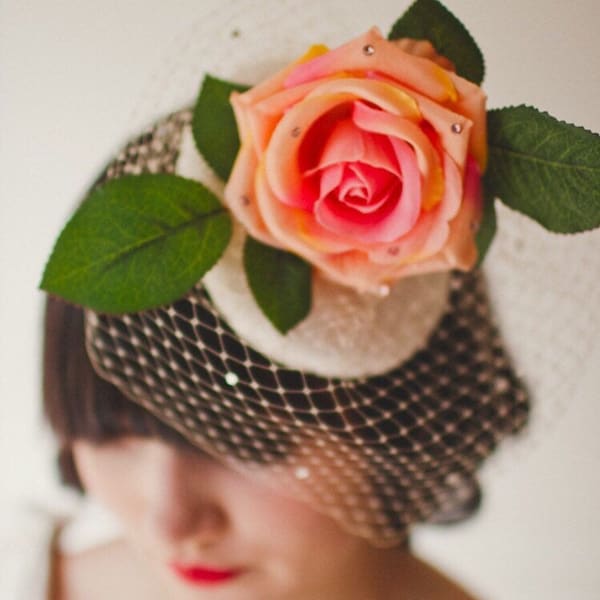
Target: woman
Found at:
x=286, y=446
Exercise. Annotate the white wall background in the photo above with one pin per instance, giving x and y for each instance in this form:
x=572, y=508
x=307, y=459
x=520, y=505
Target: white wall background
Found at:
x=71, y=72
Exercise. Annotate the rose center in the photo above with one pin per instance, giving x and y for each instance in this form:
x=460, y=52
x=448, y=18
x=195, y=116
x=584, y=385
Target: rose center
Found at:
x=359, y=183
x=363, y=188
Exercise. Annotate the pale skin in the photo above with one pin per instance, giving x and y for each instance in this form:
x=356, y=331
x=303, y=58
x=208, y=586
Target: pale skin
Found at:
x=178, y=505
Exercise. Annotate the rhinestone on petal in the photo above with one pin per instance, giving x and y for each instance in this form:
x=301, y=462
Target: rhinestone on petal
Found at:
x=231, y=378
x=456, y=127
x=368, y=50
x=384, y=290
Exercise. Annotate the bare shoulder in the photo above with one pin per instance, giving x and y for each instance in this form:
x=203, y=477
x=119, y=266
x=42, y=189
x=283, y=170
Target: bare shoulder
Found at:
x=108, y=571
x=422, y=580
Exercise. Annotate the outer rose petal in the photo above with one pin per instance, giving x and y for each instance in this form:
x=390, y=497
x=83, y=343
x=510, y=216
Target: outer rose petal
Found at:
x=275, y=83
x=424, y=49
x=241, y=198
x=471, y=104
x=461, y=251
x=471, y=99
x=417, y=73
x=257, y=121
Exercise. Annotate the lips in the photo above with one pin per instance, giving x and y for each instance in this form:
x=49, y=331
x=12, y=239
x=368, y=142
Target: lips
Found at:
x=202, y=575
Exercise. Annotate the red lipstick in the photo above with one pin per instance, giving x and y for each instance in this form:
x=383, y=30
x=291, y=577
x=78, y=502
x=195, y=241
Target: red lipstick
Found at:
x=200, y=575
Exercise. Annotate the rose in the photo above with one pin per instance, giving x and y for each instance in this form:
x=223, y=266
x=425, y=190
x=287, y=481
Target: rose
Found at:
x=364, y=160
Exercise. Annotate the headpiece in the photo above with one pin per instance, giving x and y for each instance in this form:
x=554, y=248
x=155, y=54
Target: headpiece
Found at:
x=321, y=323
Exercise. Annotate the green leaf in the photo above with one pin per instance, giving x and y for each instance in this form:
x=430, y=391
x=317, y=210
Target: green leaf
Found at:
x=280, y=282
x=136, y=243
x=214, y=126
x=487, y=228
x=544, y=168
x=431, y=20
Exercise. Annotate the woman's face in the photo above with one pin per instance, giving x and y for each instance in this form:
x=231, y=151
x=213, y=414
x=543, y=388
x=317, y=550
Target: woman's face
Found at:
x=210, y=532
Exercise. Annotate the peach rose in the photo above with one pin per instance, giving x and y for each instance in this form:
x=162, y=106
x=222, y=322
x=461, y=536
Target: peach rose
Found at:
x=364, y=160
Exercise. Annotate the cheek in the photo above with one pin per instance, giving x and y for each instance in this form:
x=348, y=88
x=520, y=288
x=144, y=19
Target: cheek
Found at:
x=308, y=551
x=289, y=529
x=110, y=478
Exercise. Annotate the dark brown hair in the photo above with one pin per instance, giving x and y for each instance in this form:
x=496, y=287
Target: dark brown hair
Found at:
x=80, y=405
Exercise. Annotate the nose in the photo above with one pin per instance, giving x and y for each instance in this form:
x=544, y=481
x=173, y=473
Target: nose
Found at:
x=183, y=500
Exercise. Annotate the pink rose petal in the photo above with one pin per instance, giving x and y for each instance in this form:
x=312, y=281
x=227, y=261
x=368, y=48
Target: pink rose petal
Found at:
x=430, y=232
x=395, y=218
x=393, y=127
x=294, y=228
x=461, y=251
x=418, y=73
x=282, y=155
x=240, y=196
